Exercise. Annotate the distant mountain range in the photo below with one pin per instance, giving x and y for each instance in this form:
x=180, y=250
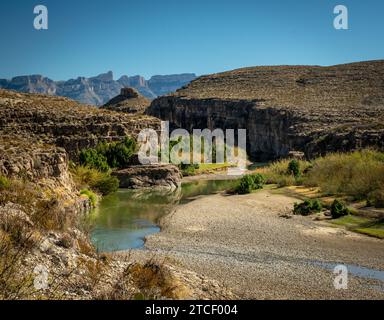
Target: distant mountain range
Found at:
x=100, y=89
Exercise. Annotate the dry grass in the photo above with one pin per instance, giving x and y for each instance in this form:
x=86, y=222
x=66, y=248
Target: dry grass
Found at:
x=277, y=173
x=332, y=89
x=356, y=174
x=44, y=207
x=149, y=281
x=13, y=283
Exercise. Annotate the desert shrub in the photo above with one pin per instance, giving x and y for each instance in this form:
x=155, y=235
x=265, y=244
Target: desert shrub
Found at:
x=155, y=281
x=89, y=178
x=85, y=176
x=93, y=159
x=278, y=173
x=376, y=198
x=294, y=168
x=21, y=193
x=258, y=180
x=90, y=195
x=14, y=284
x=118, y=154
x=109, y=155
x=4, y=183
x=188, y=169
x=316, y=206
x=250, y=182
x=246, y=185
x=338, y=209
x=355, y=174
x=106, y=185
x=307, y=207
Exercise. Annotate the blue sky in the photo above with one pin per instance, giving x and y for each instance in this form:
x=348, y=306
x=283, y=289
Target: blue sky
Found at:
x=150, y=37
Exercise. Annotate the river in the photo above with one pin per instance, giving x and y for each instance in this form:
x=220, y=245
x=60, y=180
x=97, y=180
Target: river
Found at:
x=125, y=218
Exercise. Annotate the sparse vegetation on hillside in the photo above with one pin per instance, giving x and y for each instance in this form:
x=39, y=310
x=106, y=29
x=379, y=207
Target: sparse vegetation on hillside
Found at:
x=96, y=164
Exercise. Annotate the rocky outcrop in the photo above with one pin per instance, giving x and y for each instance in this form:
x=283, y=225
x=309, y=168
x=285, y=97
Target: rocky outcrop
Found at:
x=64, y=122
x=99, y=89
x=314, y=110
x=149, y=176
x=128, y=101
x=34, y=162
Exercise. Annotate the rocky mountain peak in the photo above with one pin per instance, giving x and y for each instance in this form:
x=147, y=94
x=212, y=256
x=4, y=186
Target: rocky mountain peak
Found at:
x=108, y=76
x=128, y=101
x=99, y=89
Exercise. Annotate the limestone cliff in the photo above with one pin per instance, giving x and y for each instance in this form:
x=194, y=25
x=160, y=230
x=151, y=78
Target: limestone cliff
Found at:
x=286, y=108
x=64, y=122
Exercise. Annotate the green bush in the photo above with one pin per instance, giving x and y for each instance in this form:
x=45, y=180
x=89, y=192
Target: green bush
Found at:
x=294, y=168
x=259, y=180
x=316, y=206
x=105, y=185
x=93, y=159
x=376, y=199
x=307, y=207
x=338, y=209
x=101, y=182
x=109, y=155
x=91, y=196
x=246, y=185
x=249, y=182
x=118, y=154
x=188, y=169
x=4, y=183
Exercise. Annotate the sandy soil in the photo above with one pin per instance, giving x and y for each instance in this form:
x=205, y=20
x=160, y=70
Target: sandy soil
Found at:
x=248, y=245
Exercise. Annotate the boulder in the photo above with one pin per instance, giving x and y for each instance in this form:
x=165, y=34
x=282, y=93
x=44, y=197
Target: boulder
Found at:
x=148, y=176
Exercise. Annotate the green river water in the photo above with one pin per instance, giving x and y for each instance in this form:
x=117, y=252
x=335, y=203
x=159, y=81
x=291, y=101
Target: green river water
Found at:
x=124, y=218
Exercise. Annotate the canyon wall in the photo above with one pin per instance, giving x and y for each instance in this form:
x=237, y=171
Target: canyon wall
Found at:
x=65, y=123
x=314, y=110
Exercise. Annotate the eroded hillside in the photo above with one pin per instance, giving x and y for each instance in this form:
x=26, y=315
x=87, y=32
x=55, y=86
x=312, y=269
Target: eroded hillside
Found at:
x=64, y=122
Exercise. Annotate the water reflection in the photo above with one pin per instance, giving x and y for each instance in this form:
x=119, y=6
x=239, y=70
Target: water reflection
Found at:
x=126, y=217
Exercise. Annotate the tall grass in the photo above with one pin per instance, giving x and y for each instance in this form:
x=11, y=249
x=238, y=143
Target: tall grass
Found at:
x=356, y=174
x=278, y=172
x=100, y=182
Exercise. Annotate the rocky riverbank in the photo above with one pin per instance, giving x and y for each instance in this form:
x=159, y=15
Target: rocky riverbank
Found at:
x=45, y=249
x=249, y=246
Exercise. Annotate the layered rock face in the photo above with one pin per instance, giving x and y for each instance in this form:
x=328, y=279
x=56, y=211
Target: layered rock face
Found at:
x=287, y=108
x=128, y=101
x=65, y=123
x=33, y=161
x=150, y=176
